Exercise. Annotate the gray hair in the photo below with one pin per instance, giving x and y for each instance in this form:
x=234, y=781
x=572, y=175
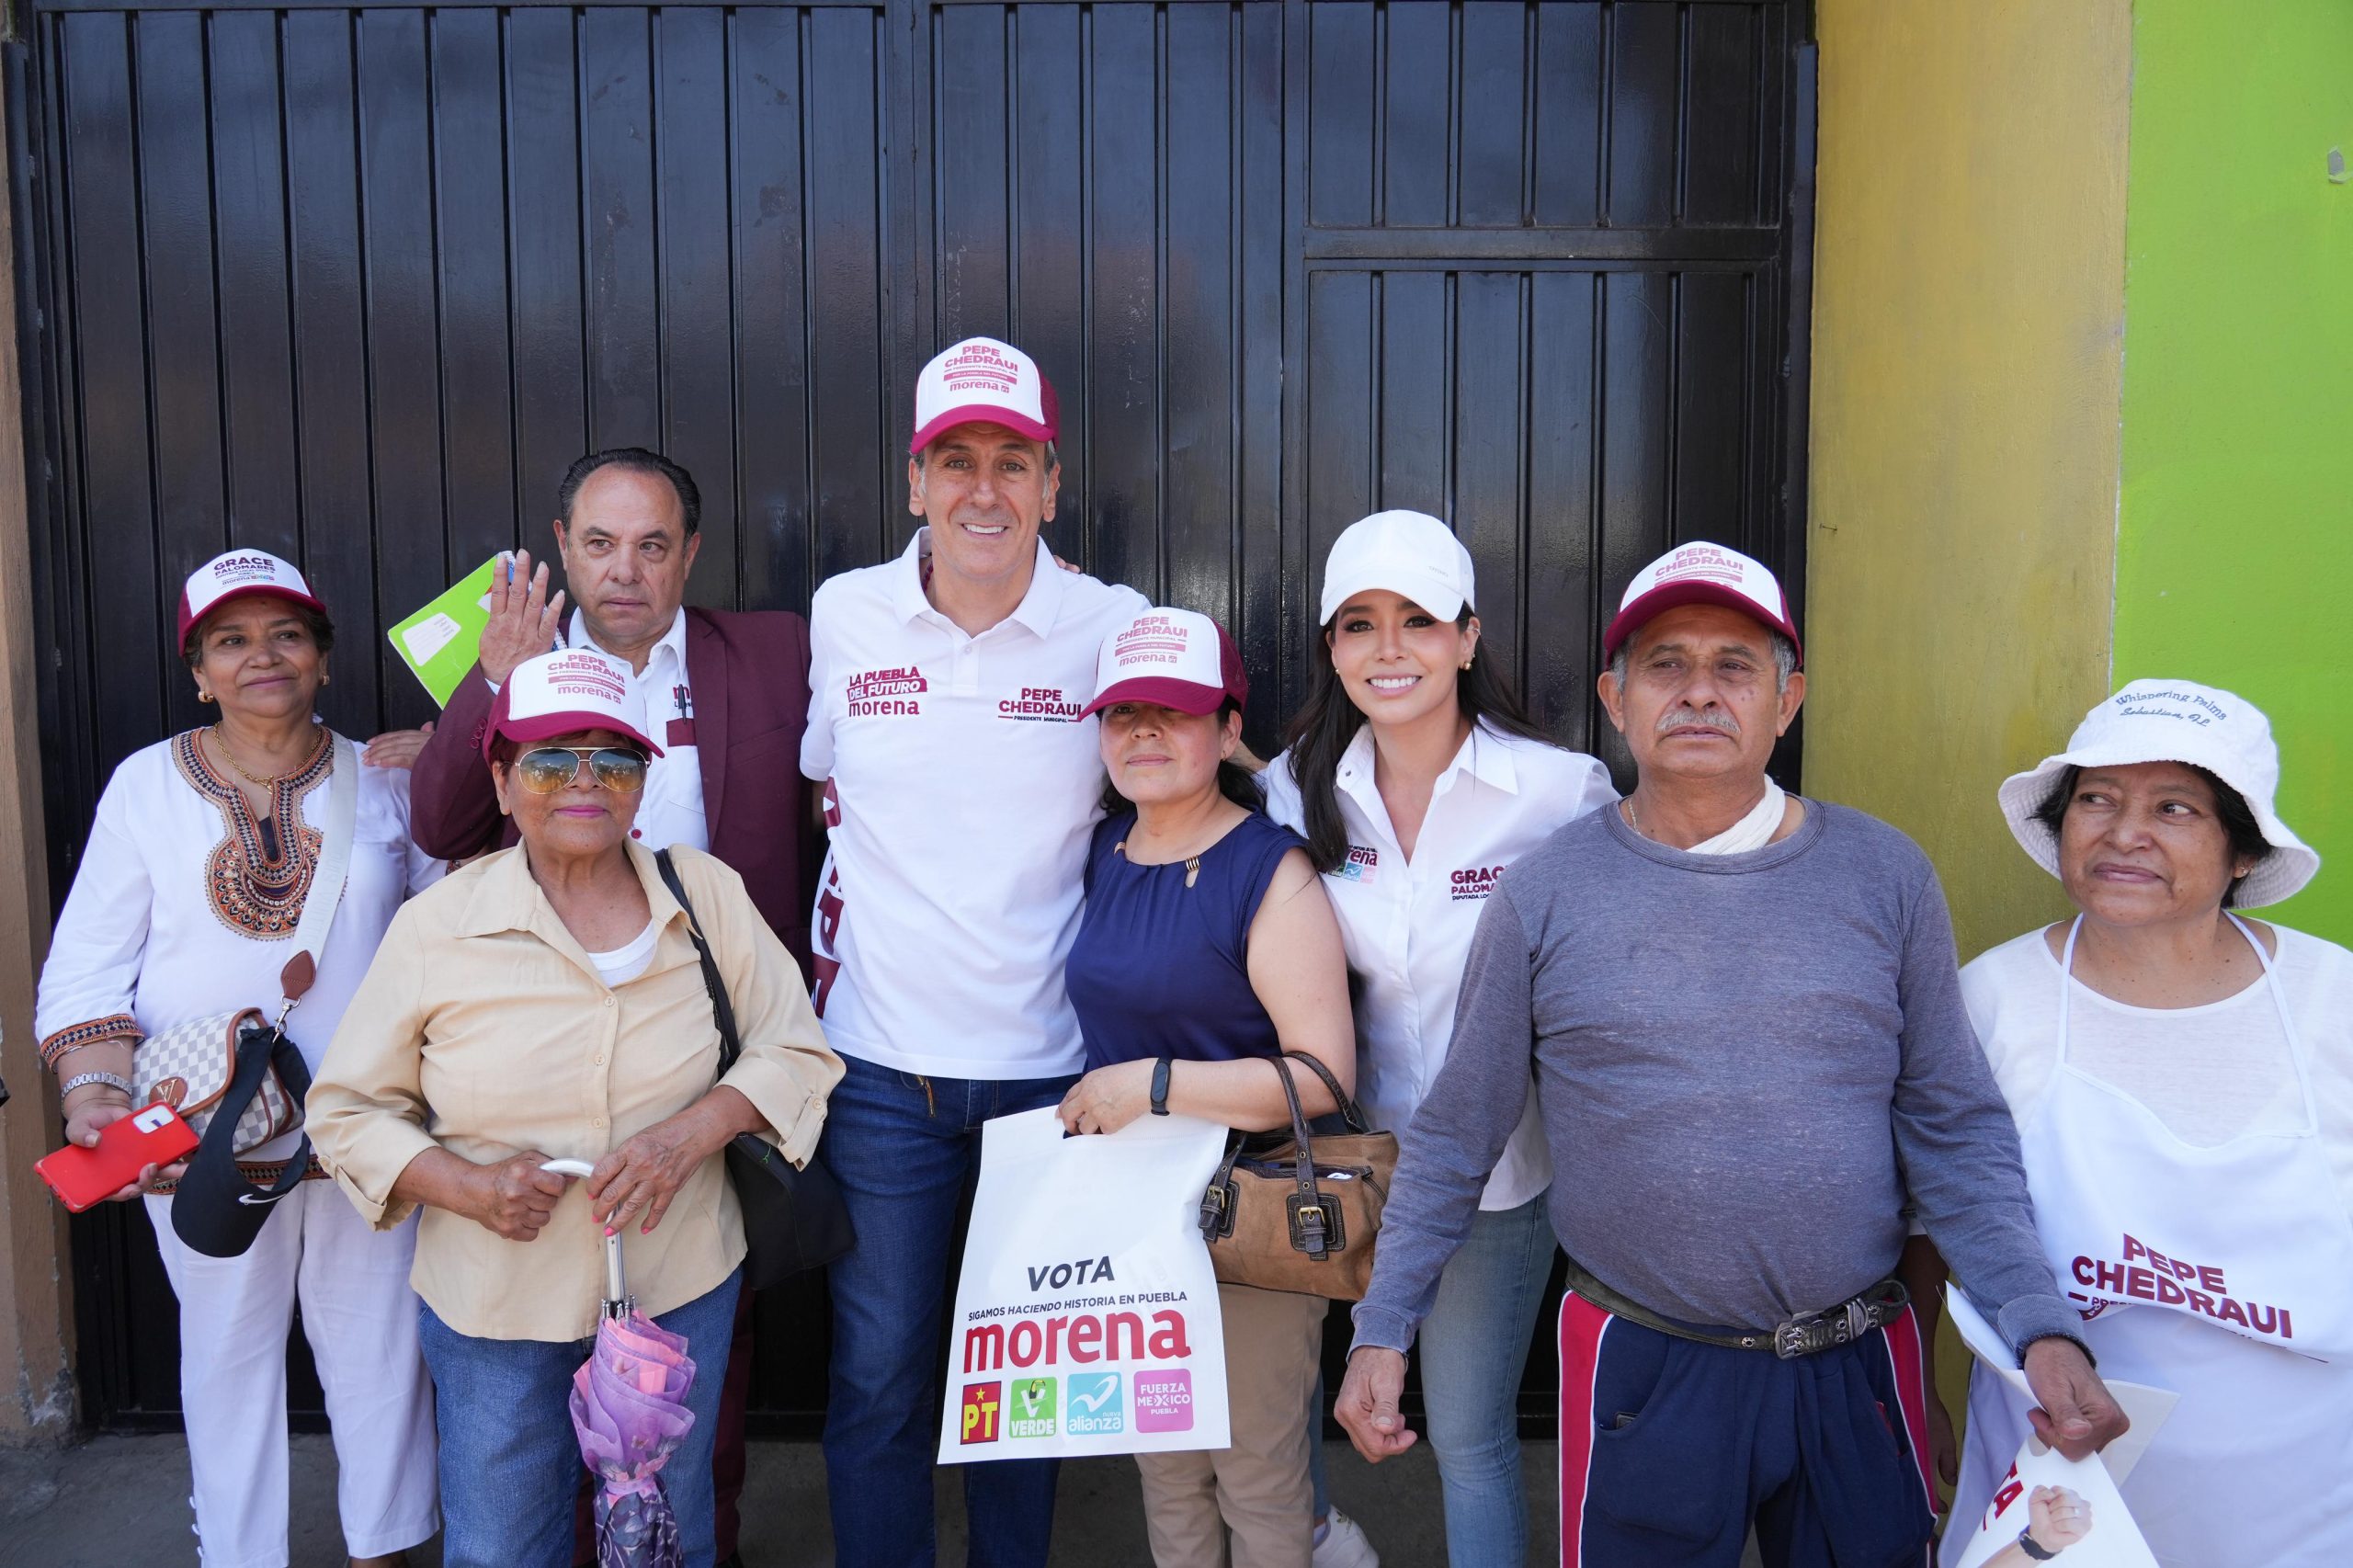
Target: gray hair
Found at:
x=1785, y=661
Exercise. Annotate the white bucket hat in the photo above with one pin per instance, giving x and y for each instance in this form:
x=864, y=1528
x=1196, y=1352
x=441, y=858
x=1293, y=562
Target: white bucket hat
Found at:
x=2174, y=720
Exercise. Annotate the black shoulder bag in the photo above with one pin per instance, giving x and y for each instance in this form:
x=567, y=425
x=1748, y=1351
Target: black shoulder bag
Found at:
x=794, y=1219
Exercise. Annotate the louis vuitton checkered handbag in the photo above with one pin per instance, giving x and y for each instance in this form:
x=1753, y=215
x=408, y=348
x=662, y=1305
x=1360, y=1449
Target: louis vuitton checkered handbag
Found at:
x=190, y=1066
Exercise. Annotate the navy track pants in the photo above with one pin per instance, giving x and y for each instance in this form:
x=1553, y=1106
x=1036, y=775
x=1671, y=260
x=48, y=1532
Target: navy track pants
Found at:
x=1671, y=1450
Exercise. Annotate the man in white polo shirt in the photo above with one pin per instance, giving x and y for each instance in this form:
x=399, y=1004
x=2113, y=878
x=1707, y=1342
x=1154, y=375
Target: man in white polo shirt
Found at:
x=960, y=787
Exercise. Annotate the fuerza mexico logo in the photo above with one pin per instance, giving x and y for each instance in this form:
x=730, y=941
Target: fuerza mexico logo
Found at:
x=886, y=693
x=1033, y=1408
x=1093, y=1405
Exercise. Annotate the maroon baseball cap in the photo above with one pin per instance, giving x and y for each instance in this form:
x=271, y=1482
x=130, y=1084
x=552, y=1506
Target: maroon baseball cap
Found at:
x=236, y=575
x=1170, y=658
x=1701, y=574
x=564, y=693
x=983, y=381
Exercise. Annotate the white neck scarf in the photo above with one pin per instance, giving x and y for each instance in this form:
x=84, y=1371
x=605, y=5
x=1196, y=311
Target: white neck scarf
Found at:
x=1754, y=831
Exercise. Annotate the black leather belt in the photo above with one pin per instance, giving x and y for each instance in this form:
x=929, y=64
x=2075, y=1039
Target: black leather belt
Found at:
x=1804, y=1335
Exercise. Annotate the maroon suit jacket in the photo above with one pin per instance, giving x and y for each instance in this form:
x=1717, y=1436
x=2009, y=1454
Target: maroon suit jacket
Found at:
x=750, y=673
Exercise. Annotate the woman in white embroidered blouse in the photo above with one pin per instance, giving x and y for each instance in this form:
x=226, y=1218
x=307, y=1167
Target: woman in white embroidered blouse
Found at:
x=185, y=905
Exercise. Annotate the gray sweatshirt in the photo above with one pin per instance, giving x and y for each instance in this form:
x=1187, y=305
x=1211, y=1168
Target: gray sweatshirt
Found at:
x=1743, y=1062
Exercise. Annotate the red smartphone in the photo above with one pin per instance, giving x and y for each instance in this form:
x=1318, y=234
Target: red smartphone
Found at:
x=85, y=1177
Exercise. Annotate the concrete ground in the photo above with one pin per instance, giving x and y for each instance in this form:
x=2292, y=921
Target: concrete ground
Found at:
x=117, y=1502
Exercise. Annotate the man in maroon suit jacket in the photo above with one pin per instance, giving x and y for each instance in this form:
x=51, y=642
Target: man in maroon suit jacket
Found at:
x=729, y=694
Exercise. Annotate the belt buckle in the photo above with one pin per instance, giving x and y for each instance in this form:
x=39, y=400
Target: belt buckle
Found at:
x=1810, y=1332
x=1794, y=1338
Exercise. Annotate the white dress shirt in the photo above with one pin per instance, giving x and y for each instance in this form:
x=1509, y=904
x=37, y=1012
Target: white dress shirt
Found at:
x=1407, y=924
x=670, y=810
x=961, y=787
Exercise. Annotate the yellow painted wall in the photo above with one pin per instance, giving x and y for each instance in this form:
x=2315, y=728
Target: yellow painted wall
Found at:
x=1968, y=322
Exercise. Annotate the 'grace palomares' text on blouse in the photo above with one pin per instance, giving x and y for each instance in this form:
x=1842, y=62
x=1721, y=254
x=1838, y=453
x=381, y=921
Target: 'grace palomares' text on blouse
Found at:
x=485, y=1029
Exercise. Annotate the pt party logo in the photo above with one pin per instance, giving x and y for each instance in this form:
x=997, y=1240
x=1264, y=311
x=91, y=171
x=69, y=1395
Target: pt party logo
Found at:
x=1086, y=1317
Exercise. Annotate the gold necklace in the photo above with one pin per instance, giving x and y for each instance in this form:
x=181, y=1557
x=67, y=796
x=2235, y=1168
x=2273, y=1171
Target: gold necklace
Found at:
x=221, y=744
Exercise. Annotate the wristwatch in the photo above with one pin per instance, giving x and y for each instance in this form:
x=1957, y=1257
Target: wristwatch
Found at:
x=2033, y=1548
x=1160, y=1087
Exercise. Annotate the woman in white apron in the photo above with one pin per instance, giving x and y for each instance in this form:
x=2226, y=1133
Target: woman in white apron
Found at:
x=2182, y=1083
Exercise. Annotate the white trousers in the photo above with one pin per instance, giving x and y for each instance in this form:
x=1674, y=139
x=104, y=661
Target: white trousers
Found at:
x=360, y=1318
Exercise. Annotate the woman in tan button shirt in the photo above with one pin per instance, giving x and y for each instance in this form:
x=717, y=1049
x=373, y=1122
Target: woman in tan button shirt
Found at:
x=546, y=1002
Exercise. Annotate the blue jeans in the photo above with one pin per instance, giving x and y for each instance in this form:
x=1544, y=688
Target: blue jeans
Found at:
x=905, y=1151
x=1473, y=1347
x=510, y=1464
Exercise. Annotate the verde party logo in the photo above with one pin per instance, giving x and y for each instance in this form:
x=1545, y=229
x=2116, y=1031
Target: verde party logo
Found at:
x=1033, y=1408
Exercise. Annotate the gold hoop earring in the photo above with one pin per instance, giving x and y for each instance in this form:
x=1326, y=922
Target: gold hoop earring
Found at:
x=204, y=697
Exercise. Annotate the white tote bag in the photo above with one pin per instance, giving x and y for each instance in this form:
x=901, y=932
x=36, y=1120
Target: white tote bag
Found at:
x=1086, y=1317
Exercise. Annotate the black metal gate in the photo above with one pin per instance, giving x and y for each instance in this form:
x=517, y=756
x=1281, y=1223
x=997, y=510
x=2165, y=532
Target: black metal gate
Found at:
x=353, y=283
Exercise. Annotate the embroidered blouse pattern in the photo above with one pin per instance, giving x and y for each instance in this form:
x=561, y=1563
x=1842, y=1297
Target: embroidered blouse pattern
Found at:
x=253, y=879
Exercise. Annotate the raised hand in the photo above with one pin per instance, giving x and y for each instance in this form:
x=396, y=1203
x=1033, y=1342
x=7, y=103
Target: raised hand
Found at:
x=523, y=619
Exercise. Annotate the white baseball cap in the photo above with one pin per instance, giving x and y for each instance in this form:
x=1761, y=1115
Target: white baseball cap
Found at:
x=1170, y=658
x=1412, y=554
x=564, y=693
x=235, y=574
x=2174, y=720
x=1701, y=574
x=984, y=379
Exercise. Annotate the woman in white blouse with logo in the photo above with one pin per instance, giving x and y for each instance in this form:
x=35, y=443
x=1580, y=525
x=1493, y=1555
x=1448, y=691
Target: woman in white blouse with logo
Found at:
x=1415, y=778
x=185, y=905
x=2182, y=1083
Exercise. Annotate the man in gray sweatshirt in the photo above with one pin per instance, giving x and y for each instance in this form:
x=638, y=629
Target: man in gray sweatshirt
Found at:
x=1740, y=1015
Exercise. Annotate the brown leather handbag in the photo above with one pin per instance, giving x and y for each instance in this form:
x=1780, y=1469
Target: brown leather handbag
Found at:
x=1300, y=1213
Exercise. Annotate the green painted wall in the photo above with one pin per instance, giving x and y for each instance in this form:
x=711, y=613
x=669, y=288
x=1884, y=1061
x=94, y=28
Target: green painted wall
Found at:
x=2234, y=548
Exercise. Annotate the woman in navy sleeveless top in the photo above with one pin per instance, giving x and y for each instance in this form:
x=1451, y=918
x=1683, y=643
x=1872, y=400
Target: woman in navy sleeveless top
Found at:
x=1206, y=949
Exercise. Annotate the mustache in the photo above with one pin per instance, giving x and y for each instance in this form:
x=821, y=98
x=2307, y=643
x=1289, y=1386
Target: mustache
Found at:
x=1689, y=717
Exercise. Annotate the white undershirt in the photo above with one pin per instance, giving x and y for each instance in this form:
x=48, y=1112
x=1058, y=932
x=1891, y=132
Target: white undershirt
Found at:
x=1754, y=831
x=624, y=964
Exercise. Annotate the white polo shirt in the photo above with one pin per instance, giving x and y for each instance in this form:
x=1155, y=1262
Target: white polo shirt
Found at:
x=1407, y=925
x=962, y=788
x=670, y=810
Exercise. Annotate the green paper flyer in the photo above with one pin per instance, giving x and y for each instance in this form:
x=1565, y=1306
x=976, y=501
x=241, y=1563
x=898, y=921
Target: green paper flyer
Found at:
x=439, y=642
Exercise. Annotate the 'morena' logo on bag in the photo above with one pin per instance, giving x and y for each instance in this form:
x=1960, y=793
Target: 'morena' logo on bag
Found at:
x=981, y=1405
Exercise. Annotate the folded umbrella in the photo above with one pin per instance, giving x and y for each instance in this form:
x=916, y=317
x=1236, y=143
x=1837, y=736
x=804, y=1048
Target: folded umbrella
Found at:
x=629, y=1409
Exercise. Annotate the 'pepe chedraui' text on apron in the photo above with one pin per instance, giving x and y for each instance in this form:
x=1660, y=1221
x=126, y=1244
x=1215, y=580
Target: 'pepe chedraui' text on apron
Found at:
x=2247, y=1235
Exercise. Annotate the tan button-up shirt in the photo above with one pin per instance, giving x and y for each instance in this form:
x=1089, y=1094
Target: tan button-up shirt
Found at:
x=483, y=1027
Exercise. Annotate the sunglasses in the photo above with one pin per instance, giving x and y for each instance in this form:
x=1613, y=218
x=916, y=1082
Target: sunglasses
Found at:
x=545, y=769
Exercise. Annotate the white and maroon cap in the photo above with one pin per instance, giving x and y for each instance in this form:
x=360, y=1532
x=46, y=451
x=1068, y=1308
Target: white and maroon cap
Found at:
x=235, y=574
x=1170, y=658
x=1410, y=553
x=981, y=380
x=1701, y=574
x=564, y=693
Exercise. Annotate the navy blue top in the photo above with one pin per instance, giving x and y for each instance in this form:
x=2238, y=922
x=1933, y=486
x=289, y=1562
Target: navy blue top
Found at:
x=1160, y=969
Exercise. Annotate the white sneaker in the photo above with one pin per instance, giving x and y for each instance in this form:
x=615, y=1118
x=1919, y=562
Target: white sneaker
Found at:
x=1344, y=1546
